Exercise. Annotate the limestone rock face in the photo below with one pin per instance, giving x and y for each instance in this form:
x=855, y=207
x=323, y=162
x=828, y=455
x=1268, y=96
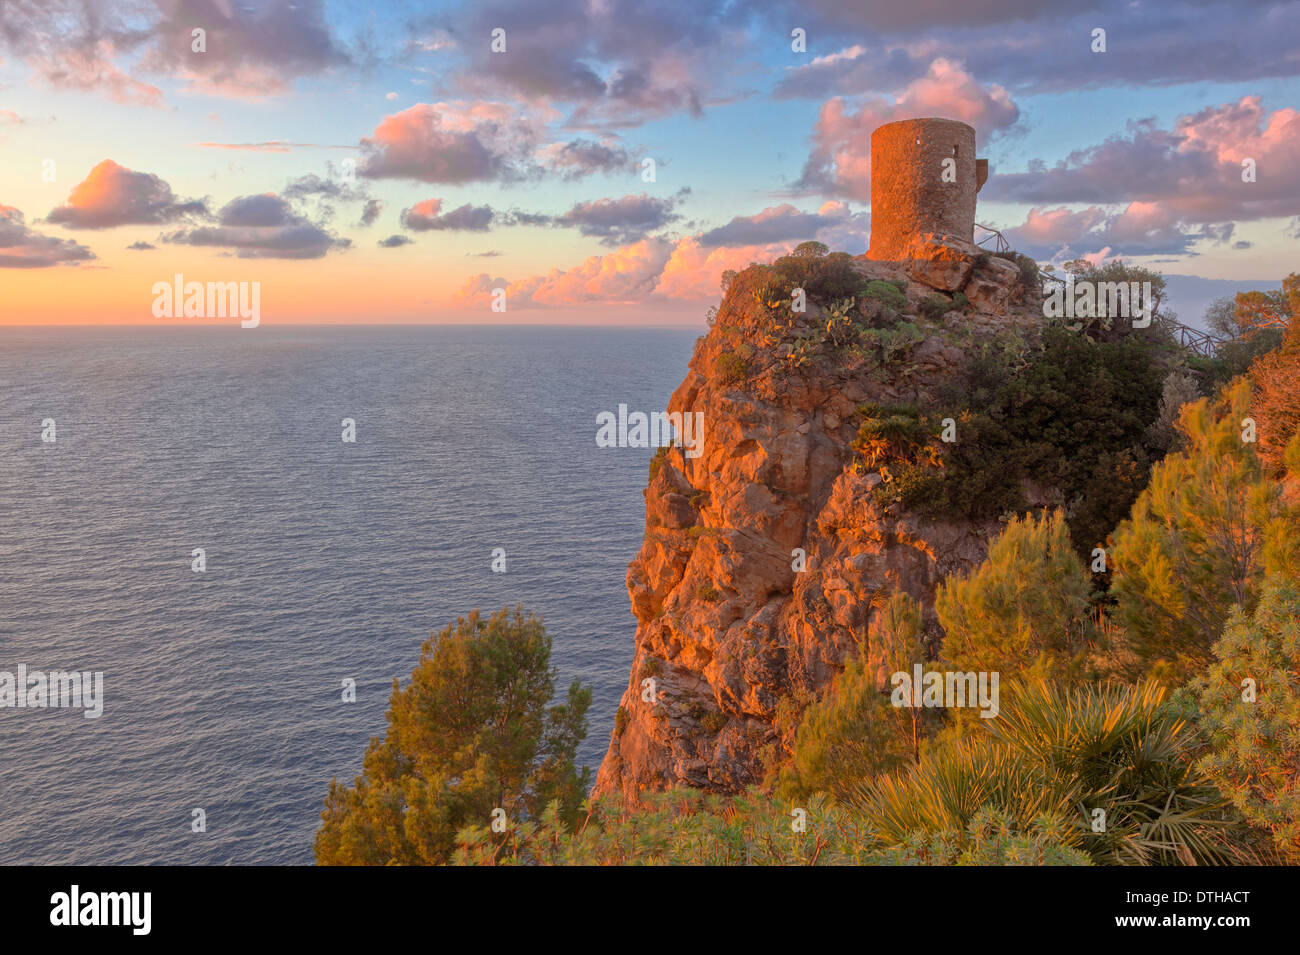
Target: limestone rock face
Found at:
x=727, y=627
x=942, y=262
x=992, y=285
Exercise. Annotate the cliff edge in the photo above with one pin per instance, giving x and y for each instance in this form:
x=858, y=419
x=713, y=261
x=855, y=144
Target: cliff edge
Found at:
x=763, y=555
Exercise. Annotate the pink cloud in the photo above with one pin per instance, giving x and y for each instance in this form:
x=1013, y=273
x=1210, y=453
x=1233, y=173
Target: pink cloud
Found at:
x=625, y=276
x=112, y=195
x=1059, y=225
x=644, y=271
x=91, y=68
x=453, y=143
x=1163, y=191
x=840, y=160
x=694, y=273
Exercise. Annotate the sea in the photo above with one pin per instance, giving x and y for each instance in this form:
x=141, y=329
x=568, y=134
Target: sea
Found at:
x=323, y=560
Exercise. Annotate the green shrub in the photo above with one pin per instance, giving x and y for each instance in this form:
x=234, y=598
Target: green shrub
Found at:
x=1024, y=607
x=887, y=345
x=708, y=593
x=714, y=721
x=824, y=278
x=887, y=294
x=730, y=368
x=1072, y=416
x=1194, y=546
x=1061, y=755
x=688, y=827
x=474, y=731
x=657, y=461
x=935, y=307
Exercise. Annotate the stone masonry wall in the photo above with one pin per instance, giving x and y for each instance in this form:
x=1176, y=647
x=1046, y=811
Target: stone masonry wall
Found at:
x=908, y=195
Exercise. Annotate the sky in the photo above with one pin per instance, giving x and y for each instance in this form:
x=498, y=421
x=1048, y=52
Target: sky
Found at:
x=604, y=161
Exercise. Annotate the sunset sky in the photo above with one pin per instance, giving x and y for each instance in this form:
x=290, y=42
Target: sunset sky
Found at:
x=380, y=163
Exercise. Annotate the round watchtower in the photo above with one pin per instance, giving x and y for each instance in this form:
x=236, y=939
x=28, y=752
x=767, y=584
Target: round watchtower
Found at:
x=913, y=189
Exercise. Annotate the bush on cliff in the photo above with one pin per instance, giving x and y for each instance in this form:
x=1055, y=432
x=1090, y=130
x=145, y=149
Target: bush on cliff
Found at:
x=1024, y=610
x=1109, y=769
x=1074, y=417
x=687, y=827
x=471, y=733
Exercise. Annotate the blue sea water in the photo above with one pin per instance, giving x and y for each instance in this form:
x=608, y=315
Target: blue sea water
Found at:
x=325, y=560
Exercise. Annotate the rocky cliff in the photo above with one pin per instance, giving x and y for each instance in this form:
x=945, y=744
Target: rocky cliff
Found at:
x=732, y=637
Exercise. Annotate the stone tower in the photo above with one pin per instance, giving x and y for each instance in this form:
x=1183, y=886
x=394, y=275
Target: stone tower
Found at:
x=909, y=194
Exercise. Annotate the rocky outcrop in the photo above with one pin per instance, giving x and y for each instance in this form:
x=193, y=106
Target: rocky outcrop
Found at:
x=952, y=264
x=734, y=626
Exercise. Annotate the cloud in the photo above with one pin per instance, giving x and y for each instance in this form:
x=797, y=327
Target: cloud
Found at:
x=453, y=143
x=621, y=221
x=140, y=247
x=251, y=50
x=262, y=227
x=693, y=272
x=784, y=223
x=616, y=62
x=1195, y=168
x=112, y=195
x=434, y=42
x=394, y=241
x=370, y=212
x=659, y=269
x=1046, y=51
x=614, y=222
x=427, y=215
x=1162, y=191
x=840, y=160
x=920, y=15
x=321, y=192
x=21, y=248
x=461, y=142
x=625, y=276
x=90, y=68
x=1139, y=228
x=314, y=186
x=584, y=157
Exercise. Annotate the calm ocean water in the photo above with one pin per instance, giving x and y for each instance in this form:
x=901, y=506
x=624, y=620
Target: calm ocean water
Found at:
x=325, y=560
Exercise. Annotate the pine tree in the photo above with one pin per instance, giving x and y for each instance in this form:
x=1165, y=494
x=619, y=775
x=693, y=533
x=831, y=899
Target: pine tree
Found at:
x=1025, y=608
x=471, y=734
x=1250, y=709
x=1194, y=545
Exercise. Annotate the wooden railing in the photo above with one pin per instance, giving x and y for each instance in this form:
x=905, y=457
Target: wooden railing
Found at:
x=1000, y=245
x=1198, y=341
